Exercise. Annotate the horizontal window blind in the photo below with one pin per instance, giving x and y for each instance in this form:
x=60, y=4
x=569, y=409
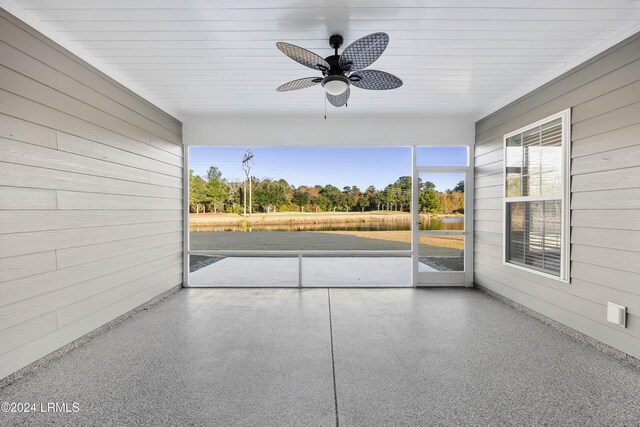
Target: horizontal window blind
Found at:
x=535, y=234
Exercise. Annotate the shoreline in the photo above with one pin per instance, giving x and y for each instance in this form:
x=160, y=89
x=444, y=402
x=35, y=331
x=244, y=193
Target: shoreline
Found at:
x=304, y=218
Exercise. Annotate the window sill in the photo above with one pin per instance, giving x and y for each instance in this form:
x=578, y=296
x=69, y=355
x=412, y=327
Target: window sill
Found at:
x=537, y=273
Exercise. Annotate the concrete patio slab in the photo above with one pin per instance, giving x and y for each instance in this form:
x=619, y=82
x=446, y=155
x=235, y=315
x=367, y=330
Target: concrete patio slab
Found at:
x=202, y=357
x=263, y=357
x=316, y=271
x=445, y=357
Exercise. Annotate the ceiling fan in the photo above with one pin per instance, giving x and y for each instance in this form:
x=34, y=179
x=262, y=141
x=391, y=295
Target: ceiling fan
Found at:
x=341, y=71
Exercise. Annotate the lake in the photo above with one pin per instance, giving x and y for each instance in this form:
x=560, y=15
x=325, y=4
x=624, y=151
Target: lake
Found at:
x=434, y=223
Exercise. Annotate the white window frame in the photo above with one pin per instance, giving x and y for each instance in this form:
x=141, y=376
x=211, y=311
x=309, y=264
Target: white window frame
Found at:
x=565, y=241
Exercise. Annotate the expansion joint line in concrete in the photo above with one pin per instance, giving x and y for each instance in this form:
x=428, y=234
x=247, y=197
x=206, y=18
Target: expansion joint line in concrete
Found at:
x=333, y=360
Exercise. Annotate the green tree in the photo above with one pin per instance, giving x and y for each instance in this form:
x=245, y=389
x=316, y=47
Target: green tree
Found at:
x=367, y=199
x=428, y=201
x=217, y=194
x=235, y=197
x=322, y=202
x=334, y=196
x=269, y=195
x=216, y=190
x=301, y=197
x=349, y=199
x=375, y=199
x=403, y=198
x=314, y=193
x=214, y=173
x=390, y=197
x=197, y=192
x=428, y=185
x=261, y=197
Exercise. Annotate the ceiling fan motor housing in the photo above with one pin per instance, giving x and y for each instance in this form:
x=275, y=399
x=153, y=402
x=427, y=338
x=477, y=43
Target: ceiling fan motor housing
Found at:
x=335, y=41
x=334, y=63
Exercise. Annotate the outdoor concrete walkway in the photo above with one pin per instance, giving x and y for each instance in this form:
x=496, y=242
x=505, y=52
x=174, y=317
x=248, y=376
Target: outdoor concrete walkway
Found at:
x=318, y=357
x=316, y=271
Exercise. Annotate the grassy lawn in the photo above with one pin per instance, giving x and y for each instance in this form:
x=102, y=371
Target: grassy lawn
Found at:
x=325, y=241
x=441, y=244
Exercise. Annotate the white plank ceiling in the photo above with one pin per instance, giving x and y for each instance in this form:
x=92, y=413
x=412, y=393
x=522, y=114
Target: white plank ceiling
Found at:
x=465, y=57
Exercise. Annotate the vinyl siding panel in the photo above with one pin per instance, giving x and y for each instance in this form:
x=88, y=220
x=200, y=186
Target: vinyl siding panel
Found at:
x=607, y=180
x=48, y=220
x=610, y=199
x=27, y=198
x=13, y=174
x=12, y=244
x=22, y=310
x=34, y=155
x=83, y=254
x=17, y=290
x=30, y=351
x=604, y=95
x=13, y=128
x=616, y=139
x=90, y=198
x=603, y=219
x=16, y=267
x=615, y=259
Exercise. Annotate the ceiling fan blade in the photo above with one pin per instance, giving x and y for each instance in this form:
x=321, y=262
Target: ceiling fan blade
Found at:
x=363, y=52
x=303, y=56
x=375, y=80
x=339, y=100
x=299, y=84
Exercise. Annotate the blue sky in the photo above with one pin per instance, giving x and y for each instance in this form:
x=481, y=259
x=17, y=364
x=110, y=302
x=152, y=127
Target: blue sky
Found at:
x=338, y=166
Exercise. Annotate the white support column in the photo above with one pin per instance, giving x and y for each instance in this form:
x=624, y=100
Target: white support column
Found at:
x=300, y=270
x=469, y=206
x=185, y=216
x=414, y=219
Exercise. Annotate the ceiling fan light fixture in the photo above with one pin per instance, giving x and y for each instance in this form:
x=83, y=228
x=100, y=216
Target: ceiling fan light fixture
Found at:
x=335, y=84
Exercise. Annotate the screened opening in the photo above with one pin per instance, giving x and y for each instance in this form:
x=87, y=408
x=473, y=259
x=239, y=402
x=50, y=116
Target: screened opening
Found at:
x=300, y=216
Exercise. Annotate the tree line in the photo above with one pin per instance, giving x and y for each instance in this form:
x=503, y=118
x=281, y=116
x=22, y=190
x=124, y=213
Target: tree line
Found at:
x=212, y=193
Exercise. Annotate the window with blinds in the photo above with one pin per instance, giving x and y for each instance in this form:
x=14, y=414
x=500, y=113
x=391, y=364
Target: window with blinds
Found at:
x=535, y=203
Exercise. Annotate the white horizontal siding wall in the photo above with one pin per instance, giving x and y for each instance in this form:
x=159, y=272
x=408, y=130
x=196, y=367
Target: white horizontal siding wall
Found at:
x=604, y=95
x=90, y=198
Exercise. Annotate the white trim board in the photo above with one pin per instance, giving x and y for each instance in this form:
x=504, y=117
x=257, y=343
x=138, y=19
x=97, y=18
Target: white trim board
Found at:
x=316, y=131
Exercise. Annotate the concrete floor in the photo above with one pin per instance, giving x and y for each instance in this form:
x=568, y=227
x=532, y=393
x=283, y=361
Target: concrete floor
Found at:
x=310, y=357
x=316, y=271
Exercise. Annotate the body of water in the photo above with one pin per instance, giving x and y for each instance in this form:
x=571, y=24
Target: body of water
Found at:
x=454, y=223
